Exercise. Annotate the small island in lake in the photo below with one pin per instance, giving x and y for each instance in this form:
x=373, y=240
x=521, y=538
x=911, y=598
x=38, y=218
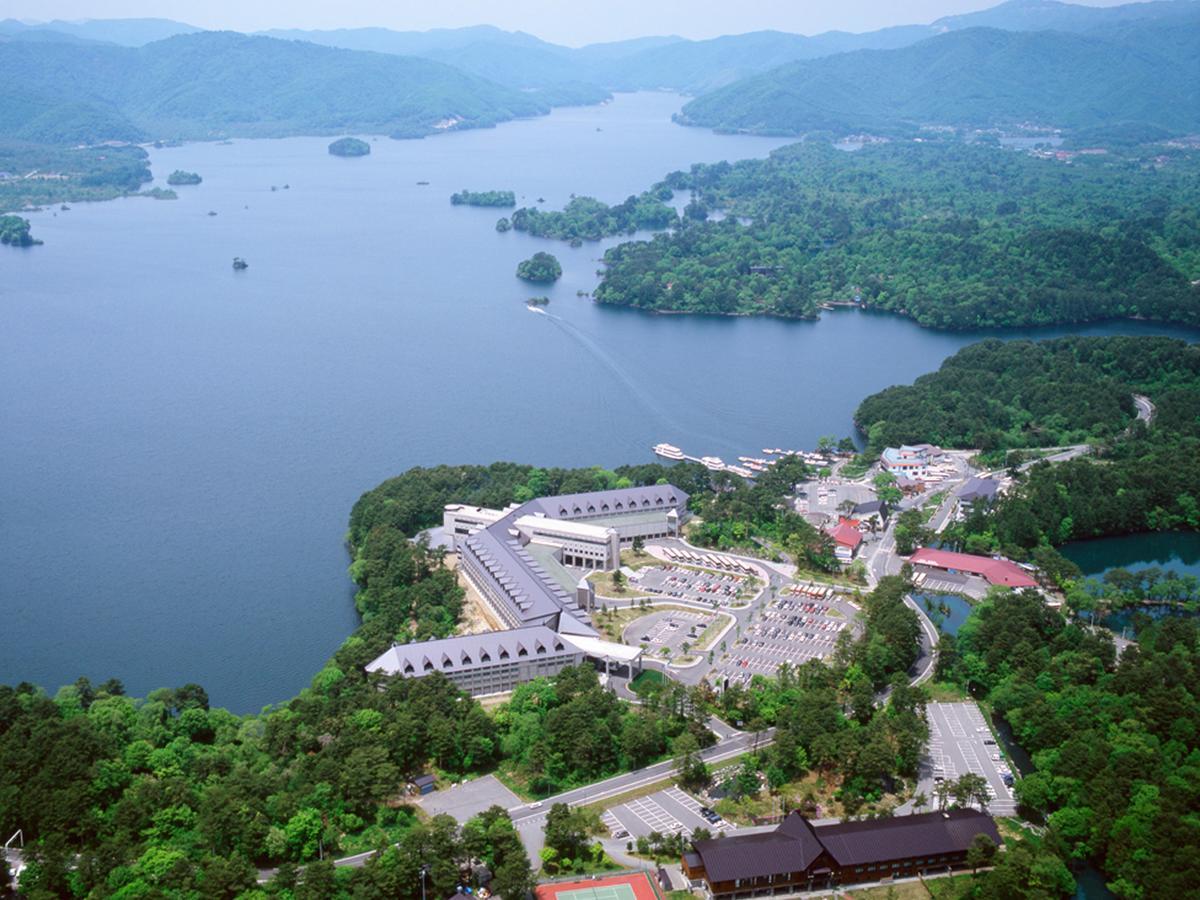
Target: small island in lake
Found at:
x=542, y=268
x=14, y=231
x=349, y=146
x=179, y=177
x=239, y=263
x=503, y=225
x=484, y=198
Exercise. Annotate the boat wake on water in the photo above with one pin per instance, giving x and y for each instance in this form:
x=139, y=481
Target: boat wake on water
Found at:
x=640, y=393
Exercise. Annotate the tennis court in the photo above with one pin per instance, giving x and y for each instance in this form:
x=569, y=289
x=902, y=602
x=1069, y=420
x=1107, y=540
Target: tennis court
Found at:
x=611, y=892
x=621, y=887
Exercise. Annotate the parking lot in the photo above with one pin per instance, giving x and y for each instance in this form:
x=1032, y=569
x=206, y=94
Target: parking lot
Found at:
x=668, y=812
x=960, y=741
x=462, y=801
x=931, y=579
x=723, y=589
x=670, y=629
x=800, y=624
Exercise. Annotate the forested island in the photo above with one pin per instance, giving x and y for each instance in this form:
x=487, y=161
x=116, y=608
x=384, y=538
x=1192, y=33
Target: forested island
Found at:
x=483, y=198
x=349, y=146
x=952, y=235
x=179, y=177
x=541, y=268
x=14, y=231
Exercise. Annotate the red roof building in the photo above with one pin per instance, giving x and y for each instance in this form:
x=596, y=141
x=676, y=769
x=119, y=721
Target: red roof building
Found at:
x=847, y=537
x=1003, y=572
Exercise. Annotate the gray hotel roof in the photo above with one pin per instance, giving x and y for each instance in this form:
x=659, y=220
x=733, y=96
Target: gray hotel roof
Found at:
x=536, y=595
x=615, y=501
x=470, y=651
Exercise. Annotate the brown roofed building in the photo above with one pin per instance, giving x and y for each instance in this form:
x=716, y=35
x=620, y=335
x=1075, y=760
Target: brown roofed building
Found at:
x=798, y=856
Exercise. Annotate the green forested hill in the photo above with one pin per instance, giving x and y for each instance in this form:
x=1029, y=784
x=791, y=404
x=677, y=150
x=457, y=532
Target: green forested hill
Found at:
x=1006, y=394
x=1141, y=71
x=213, y=84
x=954, y=236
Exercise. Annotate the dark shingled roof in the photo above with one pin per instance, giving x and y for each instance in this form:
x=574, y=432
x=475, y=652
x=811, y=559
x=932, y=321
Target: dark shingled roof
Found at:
x=796, y=844
x=978, y=489
x=901, y=837
x=790, y=848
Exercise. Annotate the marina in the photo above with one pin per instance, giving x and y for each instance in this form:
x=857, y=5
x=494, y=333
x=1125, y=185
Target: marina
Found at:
x=749, y=466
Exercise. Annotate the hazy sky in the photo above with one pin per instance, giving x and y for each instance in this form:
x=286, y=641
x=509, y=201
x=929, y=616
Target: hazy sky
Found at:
x=563, y=21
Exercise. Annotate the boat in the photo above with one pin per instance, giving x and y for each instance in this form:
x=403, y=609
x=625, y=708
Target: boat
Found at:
x=239, y=263
x=715, y=463
x=533, y=307
x=739, y=470
x=668, y=451
x=422, y=183
x=767, y=451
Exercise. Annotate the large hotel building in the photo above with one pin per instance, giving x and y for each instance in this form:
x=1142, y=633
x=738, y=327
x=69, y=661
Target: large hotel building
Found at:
x=530, y=564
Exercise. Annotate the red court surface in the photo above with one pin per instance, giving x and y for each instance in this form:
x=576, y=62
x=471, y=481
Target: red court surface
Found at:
x=633, y=886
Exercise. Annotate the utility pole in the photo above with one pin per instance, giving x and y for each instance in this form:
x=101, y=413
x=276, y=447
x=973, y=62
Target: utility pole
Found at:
x=424, y=872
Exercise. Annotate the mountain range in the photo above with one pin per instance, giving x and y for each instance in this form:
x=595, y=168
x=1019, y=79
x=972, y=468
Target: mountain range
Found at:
x=140, y=78
x=1142, y=71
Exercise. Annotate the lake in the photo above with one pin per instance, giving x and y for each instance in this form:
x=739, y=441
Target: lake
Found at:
x=1175, y=550
x=182, y=443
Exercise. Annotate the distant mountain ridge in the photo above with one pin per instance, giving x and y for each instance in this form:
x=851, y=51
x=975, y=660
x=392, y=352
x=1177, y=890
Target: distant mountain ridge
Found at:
x=1143, y=71
x=563, y=74
x=130, y=79
x=215, y=84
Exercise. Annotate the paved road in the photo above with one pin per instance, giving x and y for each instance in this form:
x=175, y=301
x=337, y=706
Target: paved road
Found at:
x=1145, y=408
x=737, y=743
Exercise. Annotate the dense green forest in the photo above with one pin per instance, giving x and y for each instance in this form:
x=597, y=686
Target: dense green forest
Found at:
x=585, y=218
x=349, y=146
x=541, y=268
x=561, y=733
x=214, y=84
x=952, y=235
x=1115, y=743
x=1000, y=395
x=40, y=174
x=483, y=198
x=14, y=231
x=1134, y=72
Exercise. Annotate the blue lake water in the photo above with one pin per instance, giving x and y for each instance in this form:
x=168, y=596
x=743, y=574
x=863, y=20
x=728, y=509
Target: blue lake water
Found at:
x=946, y=611
x=1178, y=551
x=181, y=443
